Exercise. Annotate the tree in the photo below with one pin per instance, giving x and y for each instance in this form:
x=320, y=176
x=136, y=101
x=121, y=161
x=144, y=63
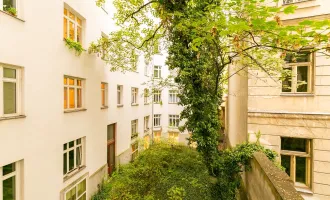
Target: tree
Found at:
x=204, y=37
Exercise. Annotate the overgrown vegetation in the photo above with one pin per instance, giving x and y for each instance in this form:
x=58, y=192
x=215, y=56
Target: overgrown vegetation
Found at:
x=11, y=11
x=76, y=46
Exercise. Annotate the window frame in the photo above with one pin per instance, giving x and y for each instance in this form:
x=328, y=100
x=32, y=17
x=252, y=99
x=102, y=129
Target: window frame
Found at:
x=173, y=136
x=15, y=3
x=18, y=93
x=76, y=87
x=82, y=156
x=157, y=73
x=134, y=128
x=173, y=95
x=293, y=155
x=174, y=119
x=75, y=22
x=134, y=95
x=76, y=186
x=135, y=150
x=157, y=117
x=146, y=96
x=120, y=95
x=105, y=97
x=18, y=180
x=294, y=75
x=157, y=96
x=146, y=123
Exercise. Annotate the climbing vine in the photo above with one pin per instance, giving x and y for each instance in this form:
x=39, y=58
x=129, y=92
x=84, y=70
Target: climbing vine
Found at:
x=76, y=46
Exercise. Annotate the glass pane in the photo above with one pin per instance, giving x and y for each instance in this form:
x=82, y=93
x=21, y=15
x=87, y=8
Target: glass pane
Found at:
x=102, y=86
x=71, y=31
x=71, y=144
x=9, y=73
x=64, y=146
x=287, y=80
x=82, y=187
x=110, y=132
x=79, y=98
x=294, y=144
x=8, y=169
x=78, y=141
x=65, y=81
x=285, y=162
x=8, y=4
x=103, y=98
x=71, y=160
x=78, y=155
x=65, y=98
x=9, y=98
x=65, y=159
x=71, y=195
x=71, y=15
x=71, y=81
x=78, y=34
x=65, y=28
x=9, y=189
x=79, y=21
x=301, y=170
x=297, y=57
x=83, y=197
x=302, y=79
x=71, y=98
x=65, y=11
x=79, y=82
x=112, y=154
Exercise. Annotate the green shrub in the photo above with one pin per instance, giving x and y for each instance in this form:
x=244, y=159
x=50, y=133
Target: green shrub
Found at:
x=164, y=171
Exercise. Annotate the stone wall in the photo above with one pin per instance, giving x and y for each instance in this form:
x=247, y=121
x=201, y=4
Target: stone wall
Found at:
x=266, y=181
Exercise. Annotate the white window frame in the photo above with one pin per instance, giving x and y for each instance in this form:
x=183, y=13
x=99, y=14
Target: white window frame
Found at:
x=18, y=180
x=75, y=86
x=134, y=128
x=286, y=2
x=146, y=69
x=157, y=120
x=74, y=149
x=105, y=90
x=157, y=96
x=75, y=22
x=134, y=95
x=76, y=185
x=15, y=5
x=119, y=95
x=173, y=96
x=157, y=71
x=146, y=96
x=18, y=82
x=146, y=123
x=173, y=119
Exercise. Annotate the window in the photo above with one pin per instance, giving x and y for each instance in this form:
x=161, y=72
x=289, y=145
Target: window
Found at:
x=134, y=95
x=157, y=120
x=157, y=96
x=146, y=123
x=73, y=93
x=157, y=136
x=173, y=96
x=146, y=96
x=134, y=128
x=77, y=192
x=7, y=4
x=10, y=182
x=157, y=71
x=9, y=91
x=293, y=1
x=104, y=94
x=73, y=158
x=174, y=120
x=297, y=74
x=119, y=94
x=296, y=159
x=72, y=26
x=146, y=143
x=146, y=68
x=135, y=150
x=173, y=136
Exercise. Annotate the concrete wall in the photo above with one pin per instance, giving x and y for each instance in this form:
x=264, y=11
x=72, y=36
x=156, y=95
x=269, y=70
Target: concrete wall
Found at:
x=266, y=181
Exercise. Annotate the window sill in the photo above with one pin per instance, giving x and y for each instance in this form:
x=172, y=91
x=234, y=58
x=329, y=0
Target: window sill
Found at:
x=104, y=107
x=134, y=104
x=75, y=110
x=70, y=175
x=146, y=104
x=120, y=105
x=172, y=103
x=133, y=137
x=298, y=2
x=12, y=117
x=1, y=11
x=303, y=189
x=297, y=95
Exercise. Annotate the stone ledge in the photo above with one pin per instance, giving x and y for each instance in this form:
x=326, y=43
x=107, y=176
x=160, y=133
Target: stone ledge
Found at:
x=289, y=115
x=75, y=110
x=4, y=12
x=12, y=117
x=70, y=175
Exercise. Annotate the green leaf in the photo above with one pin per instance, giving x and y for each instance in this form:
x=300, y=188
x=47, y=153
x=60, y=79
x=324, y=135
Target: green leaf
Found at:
x=290, y=9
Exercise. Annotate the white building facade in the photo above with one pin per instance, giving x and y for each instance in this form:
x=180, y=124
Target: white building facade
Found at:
x=66, y=120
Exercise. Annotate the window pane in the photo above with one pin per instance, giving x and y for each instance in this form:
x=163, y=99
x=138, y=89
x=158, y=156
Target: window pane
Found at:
x=79, y=153
x=65, y=11
x=8, y=4
x=103, y=98
x=65, y=28
x=78, y=141
x=293, y=144
x=65, y=98
x=65, y=170
x=287, y=80
x=285, y=162
x=302, y=79
x=9, y=101
x=297, y=57
x=78, y=34
x=71, y=144
x=83, y=197
x=71, y=160
x=102, y=85
x=110, y=132
x=71, y=195
x=64, y=146
x=71, y=81
x=8, y=169
x=81, y=187
x=65, y=81
x=71, y=15
x=300, y=170
x=9, y=189
x=9, y=73
x=79, y=82
x=71, y=98
x=79, y=21
x=71, y=31
x=79, y=98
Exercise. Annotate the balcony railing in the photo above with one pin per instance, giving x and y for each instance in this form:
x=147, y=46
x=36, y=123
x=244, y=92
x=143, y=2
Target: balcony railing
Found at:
x=293, y=1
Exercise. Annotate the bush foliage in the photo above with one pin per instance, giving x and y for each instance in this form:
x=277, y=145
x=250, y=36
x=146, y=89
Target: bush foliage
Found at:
x=164, y=171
